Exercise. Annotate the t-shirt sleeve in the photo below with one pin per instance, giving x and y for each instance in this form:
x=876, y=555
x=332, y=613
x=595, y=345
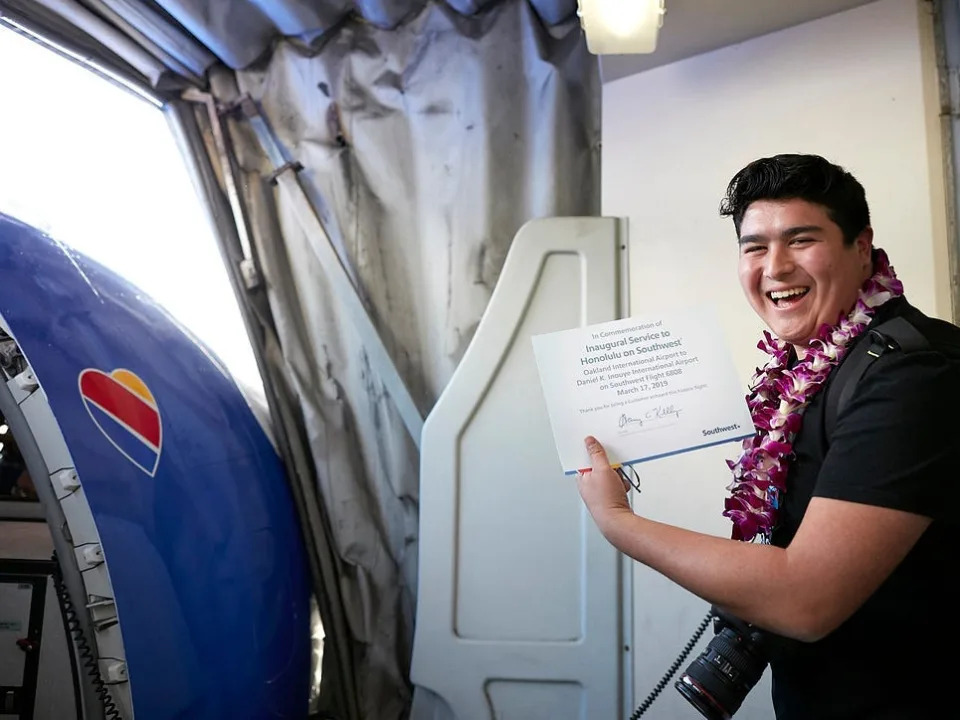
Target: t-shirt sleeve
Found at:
x=897, y=442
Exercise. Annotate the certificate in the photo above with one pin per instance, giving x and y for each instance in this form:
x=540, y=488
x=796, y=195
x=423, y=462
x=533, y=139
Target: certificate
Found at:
x=644, y=387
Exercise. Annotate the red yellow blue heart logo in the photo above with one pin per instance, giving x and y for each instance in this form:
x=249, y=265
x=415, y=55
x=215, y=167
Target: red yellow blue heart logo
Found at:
x=123, y=408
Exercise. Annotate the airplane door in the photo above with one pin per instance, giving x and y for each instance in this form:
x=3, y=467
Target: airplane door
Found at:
x=523, y=607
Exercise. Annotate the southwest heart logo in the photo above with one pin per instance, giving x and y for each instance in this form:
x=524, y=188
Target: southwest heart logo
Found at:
x=126, y=412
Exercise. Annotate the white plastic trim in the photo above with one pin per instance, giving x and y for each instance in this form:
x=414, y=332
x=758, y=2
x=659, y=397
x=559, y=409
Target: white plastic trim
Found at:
x=67, y=487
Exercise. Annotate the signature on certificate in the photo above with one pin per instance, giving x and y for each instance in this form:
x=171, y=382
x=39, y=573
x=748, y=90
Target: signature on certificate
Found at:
x=653, y=417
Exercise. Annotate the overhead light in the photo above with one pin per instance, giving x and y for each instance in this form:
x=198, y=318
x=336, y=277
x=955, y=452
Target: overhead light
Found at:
x=621, y=27
x=4, y=429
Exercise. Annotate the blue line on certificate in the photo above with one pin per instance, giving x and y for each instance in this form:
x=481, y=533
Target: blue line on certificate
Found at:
x=668, y=454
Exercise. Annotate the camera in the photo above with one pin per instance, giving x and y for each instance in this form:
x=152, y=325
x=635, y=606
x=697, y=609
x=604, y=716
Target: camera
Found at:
x=720, y=678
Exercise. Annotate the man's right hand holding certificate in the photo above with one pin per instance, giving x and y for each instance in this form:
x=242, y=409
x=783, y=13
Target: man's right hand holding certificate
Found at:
x=603, y=490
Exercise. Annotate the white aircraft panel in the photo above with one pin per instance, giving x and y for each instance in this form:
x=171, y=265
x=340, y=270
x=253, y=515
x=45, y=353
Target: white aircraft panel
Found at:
x=521, y=604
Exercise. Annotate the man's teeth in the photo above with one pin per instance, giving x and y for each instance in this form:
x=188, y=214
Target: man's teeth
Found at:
x=781, y=294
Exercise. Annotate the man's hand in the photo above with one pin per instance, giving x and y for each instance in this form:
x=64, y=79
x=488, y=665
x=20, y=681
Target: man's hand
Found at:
x=603, y=490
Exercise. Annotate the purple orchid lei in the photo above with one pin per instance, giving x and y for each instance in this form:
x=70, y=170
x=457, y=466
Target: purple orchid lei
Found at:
x=777, y=399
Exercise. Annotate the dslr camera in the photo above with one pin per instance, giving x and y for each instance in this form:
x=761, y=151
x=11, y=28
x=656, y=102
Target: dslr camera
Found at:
x=717, y=682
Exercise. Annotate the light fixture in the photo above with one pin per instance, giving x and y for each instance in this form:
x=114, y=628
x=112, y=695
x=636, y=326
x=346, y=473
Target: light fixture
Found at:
x=621, y=27
x=4, y=429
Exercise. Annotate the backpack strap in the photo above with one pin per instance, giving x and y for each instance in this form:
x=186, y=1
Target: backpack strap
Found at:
x=894, y=334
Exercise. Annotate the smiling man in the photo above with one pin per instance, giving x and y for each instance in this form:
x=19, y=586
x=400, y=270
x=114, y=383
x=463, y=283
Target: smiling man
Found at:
x=855, y=508
x=797, y=269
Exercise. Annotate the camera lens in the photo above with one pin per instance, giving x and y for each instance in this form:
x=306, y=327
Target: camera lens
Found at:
x=700, y=699
x=717, y=682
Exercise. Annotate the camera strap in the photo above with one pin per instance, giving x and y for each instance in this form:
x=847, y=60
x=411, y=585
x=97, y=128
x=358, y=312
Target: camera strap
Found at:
x=894, y=334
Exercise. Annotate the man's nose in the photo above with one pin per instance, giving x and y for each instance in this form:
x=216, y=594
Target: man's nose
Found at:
x=779, y=262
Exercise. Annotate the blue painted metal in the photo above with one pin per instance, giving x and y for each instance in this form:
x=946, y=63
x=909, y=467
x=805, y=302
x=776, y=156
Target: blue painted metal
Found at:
x=205, y=556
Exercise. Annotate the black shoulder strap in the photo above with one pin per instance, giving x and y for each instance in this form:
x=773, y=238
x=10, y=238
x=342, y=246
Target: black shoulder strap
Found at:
x=894, y=334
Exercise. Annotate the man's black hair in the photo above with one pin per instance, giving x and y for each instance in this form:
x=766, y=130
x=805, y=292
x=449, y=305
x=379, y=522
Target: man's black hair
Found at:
x=807, y=177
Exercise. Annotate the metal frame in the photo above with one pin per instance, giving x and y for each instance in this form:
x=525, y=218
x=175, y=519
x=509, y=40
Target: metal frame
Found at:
x=626, y=562
x=29, y=26
x=946, y=27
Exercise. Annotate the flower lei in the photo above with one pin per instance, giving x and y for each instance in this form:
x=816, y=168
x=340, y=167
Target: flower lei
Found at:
x=777, y=399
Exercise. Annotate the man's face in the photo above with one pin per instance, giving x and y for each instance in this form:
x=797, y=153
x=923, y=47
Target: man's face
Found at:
x=796, y=270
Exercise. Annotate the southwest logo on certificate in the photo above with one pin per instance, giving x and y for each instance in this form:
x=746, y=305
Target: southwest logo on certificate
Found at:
x=644, y=387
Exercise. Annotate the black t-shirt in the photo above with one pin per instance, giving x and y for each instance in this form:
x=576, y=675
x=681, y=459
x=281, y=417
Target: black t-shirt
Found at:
x=896, y=445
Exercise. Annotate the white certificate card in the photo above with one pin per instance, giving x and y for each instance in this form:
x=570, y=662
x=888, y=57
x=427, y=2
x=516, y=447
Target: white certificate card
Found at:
x=644, y=387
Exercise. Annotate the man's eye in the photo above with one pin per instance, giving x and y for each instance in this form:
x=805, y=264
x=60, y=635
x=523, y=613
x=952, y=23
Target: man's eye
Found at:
x=801, y=241
x=748, y=249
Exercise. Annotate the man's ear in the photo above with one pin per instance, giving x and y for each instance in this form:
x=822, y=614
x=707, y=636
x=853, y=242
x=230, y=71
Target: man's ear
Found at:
x=864, y=243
